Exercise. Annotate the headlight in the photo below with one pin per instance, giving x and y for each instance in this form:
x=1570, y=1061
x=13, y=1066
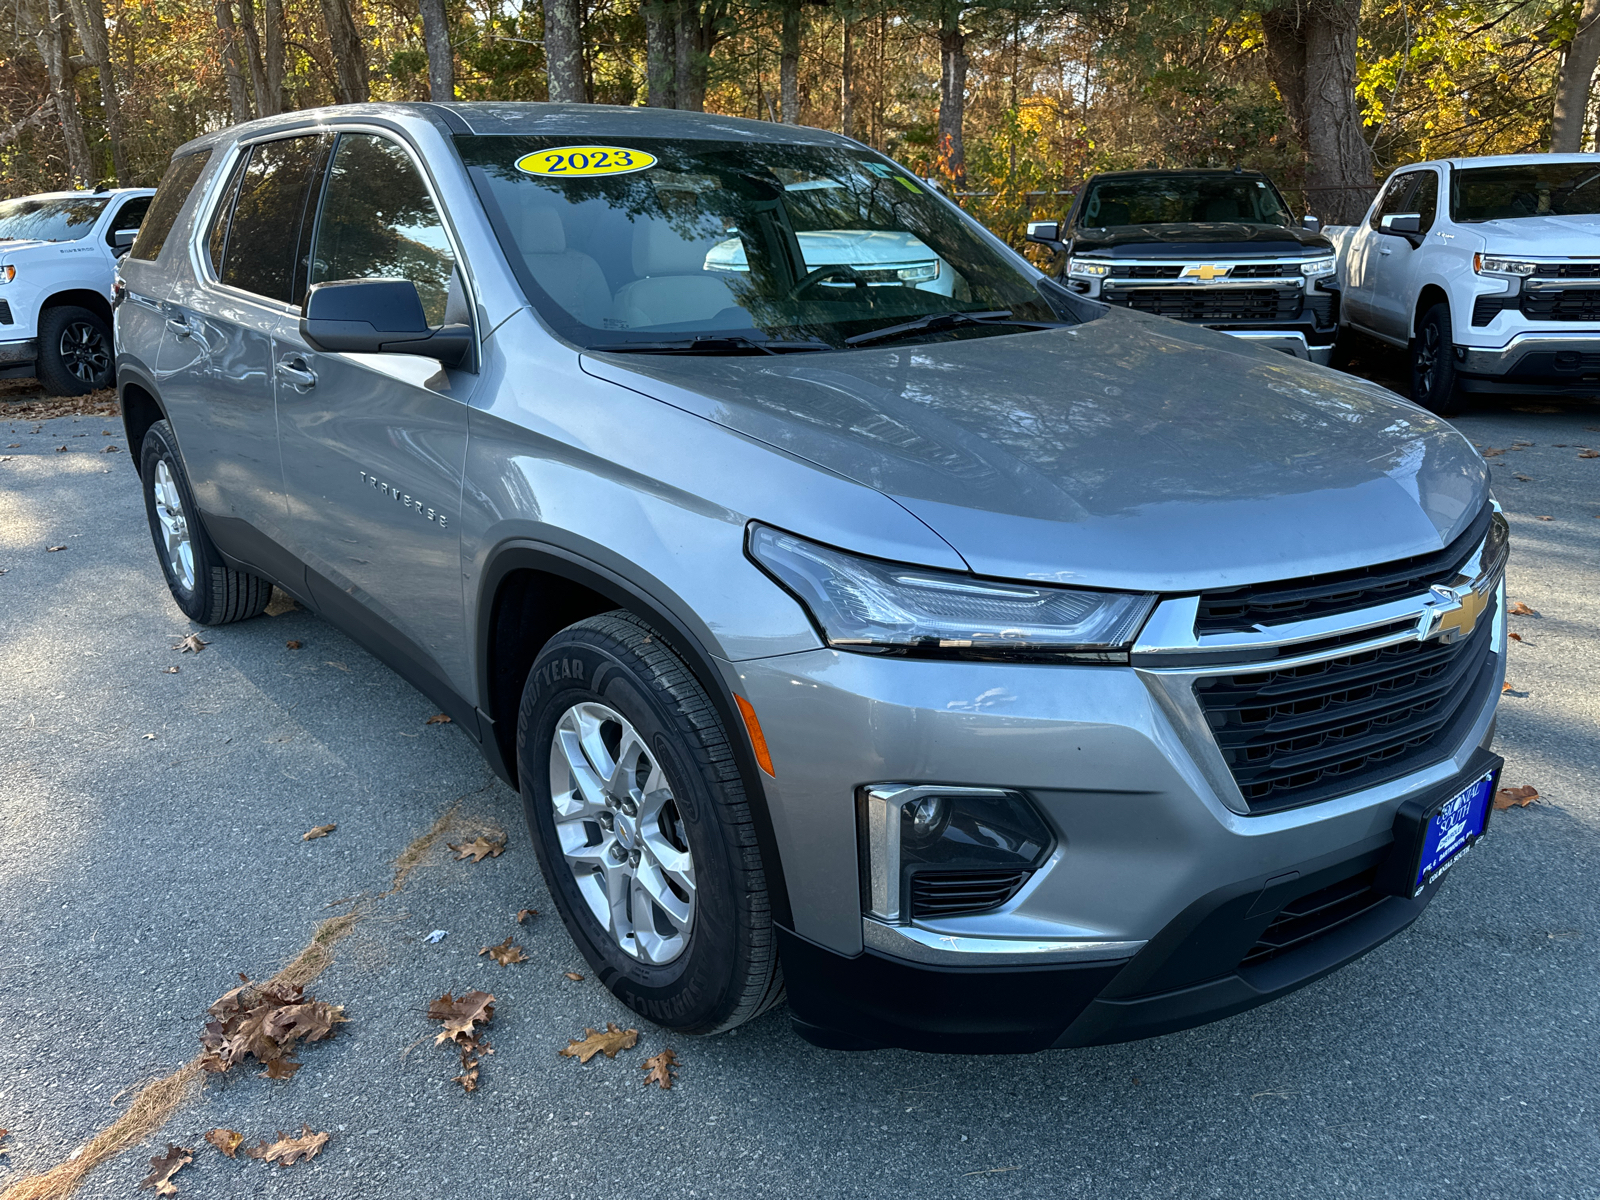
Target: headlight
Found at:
x=1318, y=266
x=7, y=273
x=864, y=604
x=1486, y=265
x=1080, y=266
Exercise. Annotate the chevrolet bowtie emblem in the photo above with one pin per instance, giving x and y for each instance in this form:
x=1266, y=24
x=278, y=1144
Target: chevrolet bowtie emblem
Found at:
x=1206, y=272
x=1454, y=615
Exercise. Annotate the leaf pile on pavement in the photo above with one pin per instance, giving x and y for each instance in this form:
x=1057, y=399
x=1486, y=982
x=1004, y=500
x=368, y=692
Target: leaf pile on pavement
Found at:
x=164, y=1166
x=321, y=831
x=461, y=1017
x=595, y=1042
x=479, y=849
x=660, y=1068
x=265, y=1022
x=505, y=953
x=1514, y=797
x=101, y=403
x=191, y=644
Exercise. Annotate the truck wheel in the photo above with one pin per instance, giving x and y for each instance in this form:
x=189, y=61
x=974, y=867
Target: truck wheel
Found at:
x=206, y=589
x=642, y=827
x=1433, y=364
x=74, y=351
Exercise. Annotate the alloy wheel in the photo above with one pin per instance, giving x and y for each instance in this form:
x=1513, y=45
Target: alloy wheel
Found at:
x=1427, y=360
x=621, y=833
x=176, y=543
x=84, y=353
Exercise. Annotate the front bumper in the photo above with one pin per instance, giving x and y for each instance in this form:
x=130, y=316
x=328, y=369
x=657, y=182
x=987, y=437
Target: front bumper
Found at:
x=1559, y=362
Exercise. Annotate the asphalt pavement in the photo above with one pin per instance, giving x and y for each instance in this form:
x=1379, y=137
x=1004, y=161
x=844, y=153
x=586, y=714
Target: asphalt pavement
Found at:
x=151, y=848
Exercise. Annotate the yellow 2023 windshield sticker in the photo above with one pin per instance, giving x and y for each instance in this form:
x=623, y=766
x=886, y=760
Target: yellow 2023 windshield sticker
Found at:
x=585, y=160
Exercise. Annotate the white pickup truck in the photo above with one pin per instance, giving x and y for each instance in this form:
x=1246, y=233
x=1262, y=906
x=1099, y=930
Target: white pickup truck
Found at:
x=1487, y=269
x=58, y=259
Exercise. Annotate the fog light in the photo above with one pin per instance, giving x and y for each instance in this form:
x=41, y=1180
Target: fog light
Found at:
x=946, y=851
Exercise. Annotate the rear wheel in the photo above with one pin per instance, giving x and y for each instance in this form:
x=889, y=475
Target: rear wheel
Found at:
x=1433, y=364
x=642, y=827
x=74, y=351
x=205, y=588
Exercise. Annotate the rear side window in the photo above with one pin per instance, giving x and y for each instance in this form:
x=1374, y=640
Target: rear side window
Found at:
x=175, y=187
x=378, y=222
x=260, y=252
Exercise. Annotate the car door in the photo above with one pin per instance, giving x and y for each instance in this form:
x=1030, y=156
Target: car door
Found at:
x=1392, y=290
x=374, y=445
x=216, y=365
x=1363, y=256
x=128, y=216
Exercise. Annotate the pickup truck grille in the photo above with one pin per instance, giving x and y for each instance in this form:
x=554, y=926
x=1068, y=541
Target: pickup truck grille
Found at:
x=1297, y=735
x=1265, y=271
x=1562, y=304
x=1239, y=610
x=1577, y=270
x=1146, y=272
x=1212, y=304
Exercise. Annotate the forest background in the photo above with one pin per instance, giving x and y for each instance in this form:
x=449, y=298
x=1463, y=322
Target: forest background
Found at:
x=1010, y=102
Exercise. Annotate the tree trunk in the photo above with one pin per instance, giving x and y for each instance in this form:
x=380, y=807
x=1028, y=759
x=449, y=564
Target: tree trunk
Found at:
x=49, y=28
x=847, y=81
x=951, y=154
x=238, y=98
x=252, y=56
x=687, y=70
x=563, y=51
x=1311, y=53
x=789, y=62
x=1571, y=108
x=441, y=60
x=90, y=18
x=349, y=54
x=660, y=41
x=272, y=54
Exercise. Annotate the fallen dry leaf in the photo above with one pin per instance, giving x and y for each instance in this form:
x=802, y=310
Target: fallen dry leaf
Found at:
x=287, y=1151
x=1546, y=518
x=607, y=1043
x=164, y=1166
x=1514, y=797
x=524, y=913
x=479, y=849
x=1510, y=689
x=173, y=670
x=265, y=1023
x=574, y=976
x=292, y=645
x=320, y=831
x=109, y=449
x=1589, y=454
x=460, y=1016
x=53, y=549
x=438, y=719
x=1514, y=636
x=1490, y=451
x=226, y=1140
x=1524, y=478
x=191, y=644
x=14, y=446
x=1519, y=609
x=505, y=953
x=63, y=450
x=660, y=1068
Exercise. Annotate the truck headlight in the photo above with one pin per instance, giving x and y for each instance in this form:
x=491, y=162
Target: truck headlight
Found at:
x=7, y=273
x=866, y=605
x=1486, y=264
x=1319, y=266
x=1091, y=270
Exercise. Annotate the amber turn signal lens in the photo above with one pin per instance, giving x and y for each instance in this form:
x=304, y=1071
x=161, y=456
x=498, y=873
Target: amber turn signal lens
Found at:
x=758, y=740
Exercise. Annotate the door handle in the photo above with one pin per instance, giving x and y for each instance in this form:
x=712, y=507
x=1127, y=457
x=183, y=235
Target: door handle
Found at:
x=179, y=327
x=299, y=375
x=1386, y=250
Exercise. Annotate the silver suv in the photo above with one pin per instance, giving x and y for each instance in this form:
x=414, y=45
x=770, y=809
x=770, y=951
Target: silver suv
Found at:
x=856, y=609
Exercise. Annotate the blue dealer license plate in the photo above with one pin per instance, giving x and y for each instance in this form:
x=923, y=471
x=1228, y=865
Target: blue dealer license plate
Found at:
x=1452, y=828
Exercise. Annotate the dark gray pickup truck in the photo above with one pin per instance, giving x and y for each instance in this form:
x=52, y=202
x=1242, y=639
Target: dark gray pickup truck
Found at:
x=1214, y=247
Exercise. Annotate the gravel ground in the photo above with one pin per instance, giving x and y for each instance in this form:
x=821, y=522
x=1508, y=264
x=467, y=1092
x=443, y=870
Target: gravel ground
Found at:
x=150, y=849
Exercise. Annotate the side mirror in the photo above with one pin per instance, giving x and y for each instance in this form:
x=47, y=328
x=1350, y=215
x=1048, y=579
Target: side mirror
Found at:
x=1402, y=223
x=1311, y=224
x=122, y=240
x=378, y=316
x=1045, y=233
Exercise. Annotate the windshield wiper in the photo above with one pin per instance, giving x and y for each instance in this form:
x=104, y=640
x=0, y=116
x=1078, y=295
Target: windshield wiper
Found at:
x=713, y=345
x=945, y=320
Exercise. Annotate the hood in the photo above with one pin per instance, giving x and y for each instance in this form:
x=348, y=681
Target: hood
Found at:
x=1543, y=236
x=28, y=248
x=1188, y=239
x=1127, y=452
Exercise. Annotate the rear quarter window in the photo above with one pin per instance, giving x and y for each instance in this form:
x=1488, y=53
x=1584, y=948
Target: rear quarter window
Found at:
x=175, y=187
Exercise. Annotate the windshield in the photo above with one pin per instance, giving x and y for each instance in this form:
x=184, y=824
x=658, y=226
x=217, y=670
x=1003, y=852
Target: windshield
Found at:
x=1556, y=189
x=33, y=219
x=660, y=240
x=1161, y=199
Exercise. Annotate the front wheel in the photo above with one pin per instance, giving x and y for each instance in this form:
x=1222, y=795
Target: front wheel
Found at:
x=205, y=588
x=1433, y=364
x=74, y=351
x=642, y=827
